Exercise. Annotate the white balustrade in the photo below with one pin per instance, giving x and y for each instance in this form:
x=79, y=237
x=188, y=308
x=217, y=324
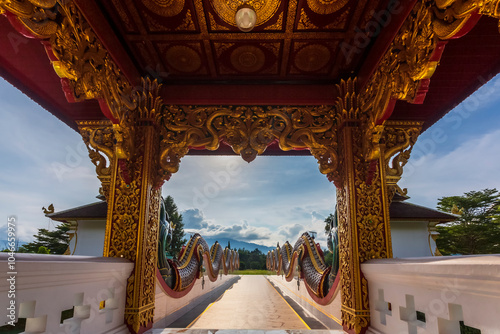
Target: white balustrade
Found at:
x=438, y=295
x=46, y=285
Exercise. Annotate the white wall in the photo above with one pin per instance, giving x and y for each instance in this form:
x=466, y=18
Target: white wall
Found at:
x=447, y=289
x=410, y=239
x=89, y=238
x=43, y=286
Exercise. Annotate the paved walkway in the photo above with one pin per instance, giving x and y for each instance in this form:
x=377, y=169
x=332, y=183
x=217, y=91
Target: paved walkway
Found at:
x=252, y=303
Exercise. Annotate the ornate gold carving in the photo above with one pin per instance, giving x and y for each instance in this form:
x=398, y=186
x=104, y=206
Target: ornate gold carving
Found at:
x=325, y=7
x=304, y=21
x=99, y=138
x=278, y=25
x=355, y=320
x=363, y=212
x=167, y=8
x=265, y=9
x=248, y=59
x=398, y=140
x=249, y=130
x=134, y=204
x=451, y=16
x=138, y=317
x=183, y=58
x=369, y=216
x=187, y=24
x=38, y=16
x=214, y=25
x=312, y=58
x=91, y=71
x=399, y=73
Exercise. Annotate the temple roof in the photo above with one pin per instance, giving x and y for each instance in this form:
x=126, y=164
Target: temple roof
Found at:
x=413, y=212
x=92, y=211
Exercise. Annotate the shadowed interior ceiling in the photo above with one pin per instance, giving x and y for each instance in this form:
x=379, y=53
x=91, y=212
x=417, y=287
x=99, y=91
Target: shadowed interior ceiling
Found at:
x=295, y=55
x=197, y=41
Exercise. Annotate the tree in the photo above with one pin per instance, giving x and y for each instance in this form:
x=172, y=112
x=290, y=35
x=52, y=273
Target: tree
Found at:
x=252, y=259
x=477, y=230
x=48, y=242
x=329, y=222
x=175, y=245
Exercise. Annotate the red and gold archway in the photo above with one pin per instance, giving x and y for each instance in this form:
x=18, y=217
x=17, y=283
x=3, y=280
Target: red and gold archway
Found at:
x=348, y=82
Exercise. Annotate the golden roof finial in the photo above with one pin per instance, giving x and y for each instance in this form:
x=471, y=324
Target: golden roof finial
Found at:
x=49, y=210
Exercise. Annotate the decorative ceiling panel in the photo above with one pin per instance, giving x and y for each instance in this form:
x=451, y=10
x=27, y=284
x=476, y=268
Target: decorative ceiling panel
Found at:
x=221, y=14
x=186, y=58
x=312, y=57
x=321, y=15
x=198, y=41
x=243, y=58
x=173, y=16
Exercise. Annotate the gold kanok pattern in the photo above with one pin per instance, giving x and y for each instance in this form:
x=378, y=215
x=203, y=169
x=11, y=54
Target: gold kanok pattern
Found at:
x=249, y=130
x=398, y=140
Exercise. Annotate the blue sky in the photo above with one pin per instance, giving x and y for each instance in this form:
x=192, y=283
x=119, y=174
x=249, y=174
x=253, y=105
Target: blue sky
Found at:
x=269, y=200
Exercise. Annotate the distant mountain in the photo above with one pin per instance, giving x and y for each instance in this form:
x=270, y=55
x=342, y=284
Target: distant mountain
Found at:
x=5, y=244
x=235, y=244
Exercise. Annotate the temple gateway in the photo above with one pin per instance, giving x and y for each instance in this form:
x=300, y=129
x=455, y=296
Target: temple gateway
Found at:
x=352, y=83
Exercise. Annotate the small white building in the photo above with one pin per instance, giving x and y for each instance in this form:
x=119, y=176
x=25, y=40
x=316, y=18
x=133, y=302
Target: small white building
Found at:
x=413, y=228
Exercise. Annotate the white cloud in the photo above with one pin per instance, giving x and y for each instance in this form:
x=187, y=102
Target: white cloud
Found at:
x=471, y=166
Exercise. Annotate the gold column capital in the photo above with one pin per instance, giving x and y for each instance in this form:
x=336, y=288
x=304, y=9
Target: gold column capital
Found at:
x=397, y=143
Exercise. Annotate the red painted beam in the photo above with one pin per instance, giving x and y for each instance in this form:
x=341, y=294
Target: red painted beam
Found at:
x=292, y=95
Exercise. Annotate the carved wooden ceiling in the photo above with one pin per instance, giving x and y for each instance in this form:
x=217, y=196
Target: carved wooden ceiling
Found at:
x=197, y=40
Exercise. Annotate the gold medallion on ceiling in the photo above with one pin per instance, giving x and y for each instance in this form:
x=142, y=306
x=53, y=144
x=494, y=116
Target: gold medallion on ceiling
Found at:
x=312, y=58
x=183, y=59
x=265, y=9
x=248, y=59
x=325, y=7
x=166, y=8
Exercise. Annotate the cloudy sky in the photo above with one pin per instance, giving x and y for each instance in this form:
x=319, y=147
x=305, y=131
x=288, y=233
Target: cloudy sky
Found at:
x=269, y=200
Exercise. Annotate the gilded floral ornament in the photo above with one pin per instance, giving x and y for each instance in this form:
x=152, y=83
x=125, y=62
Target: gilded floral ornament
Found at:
x=39, y=17
x=99, y=138
x=401, y=74
x=398, y=140
x=249, y=131
x=451, y=16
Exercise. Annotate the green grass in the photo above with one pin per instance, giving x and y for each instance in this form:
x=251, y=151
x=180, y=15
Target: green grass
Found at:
x=253, y=272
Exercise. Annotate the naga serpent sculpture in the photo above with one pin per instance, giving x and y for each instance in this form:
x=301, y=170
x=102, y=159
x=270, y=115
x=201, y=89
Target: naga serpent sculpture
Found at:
x=177, y=276
x=306, y=257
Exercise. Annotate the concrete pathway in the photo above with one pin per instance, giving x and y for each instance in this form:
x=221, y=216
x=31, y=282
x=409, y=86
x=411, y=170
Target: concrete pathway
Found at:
x=252, y=303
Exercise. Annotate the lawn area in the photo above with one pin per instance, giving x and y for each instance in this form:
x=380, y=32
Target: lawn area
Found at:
x=253, y=272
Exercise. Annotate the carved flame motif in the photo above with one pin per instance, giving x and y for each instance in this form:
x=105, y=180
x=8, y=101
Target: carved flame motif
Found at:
x=249, y=131
x=99, y=138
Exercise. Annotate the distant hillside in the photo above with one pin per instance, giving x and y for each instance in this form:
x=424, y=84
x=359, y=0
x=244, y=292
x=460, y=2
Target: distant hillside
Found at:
x=235, y=244
x=5, y=244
